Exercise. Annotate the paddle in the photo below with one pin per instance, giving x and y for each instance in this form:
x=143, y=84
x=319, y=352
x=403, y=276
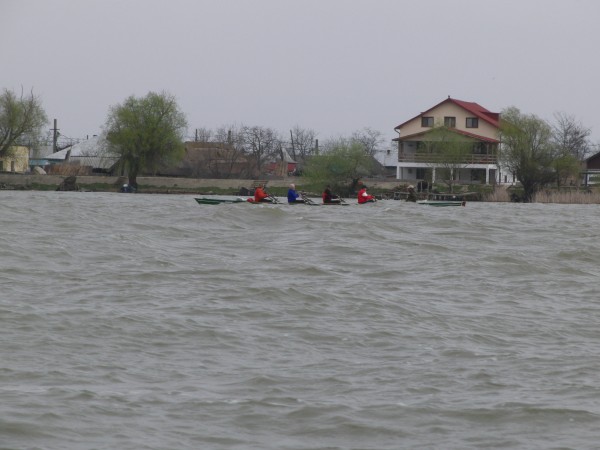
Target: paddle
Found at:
x=307, y=200
x=273, y=199
x=337, y=199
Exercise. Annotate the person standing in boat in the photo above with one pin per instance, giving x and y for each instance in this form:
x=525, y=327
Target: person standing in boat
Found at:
x=293, y=196
x=260, y=195
x=412, y=195
x=329, y=197
x=363, y=197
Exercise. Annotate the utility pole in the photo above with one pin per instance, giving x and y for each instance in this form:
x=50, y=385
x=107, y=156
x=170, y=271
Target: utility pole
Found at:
x=55, y=138
x=293, y=147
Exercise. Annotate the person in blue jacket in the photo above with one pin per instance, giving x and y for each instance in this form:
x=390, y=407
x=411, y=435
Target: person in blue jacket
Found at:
x=293, y=196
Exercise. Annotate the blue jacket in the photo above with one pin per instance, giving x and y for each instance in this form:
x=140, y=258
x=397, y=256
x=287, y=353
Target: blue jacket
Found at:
x=292, y=195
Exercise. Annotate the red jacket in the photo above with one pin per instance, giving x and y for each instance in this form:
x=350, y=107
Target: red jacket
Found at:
x=363, y=197
x=260, y=194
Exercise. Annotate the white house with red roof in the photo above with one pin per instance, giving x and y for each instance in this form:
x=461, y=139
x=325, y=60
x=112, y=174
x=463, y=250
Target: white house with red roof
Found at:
x=472, y=122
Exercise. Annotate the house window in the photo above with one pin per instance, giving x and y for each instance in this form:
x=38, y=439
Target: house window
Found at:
x=479, y=148
x=450, y=122
x=472, y=122
x=427, y=122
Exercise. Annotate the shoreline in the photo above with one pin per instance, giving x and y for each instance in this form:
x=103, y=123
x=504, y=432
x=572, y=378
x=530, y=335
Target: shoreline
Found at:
x=160, y=185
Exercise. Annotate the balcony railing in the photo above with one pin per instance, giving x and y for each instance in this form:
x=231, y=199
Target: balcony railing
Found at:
x=438, y=159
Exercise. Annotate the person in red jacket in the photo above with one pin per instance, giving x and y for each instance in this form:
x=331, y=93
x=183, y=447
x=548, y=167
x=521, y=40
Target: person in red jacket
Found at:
x=363, y=197
x=260, y=195
x=329, y=197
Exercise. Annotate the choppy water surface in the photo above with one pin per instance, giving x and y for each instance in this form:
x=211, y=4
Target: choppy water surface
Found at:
x=151, y=322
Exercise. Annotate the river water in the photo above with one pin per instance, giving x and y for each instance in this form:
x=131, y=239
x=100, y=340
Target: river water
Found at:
x=132, y=321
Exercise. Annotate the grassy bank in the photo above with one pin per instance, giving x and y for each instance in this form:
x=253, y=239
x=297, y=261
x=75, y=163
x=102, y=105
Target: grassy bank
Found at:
x=381, y=188
x=554, y=195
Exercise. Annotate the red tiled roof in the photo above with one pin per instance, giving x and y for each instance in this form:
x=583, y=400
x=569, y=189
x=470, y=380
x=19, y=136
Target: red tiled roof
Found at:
x=476, y=136
x=478, y=110
x=464, y=133
x=472, y=107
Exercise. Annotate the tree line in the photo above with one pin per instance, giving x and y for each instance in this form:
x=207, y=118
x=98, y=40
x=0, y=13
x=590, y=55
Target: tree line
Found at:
x=147, y=132
x=541, y=153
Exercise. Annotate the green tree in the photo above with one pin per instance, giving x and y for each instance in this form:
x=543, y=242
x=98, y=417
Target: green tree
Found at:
x=448, y=152
x=566, y=168
x=341, y=166
x=527, y=150
x=21, y=120
x=146, y=133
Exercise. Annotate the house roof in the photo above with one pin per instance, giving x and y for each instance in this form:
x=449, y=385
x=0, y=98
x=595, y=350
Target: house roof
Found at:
x=461, y=132
x=593, y=157
x=472, y=107
x=89, y=152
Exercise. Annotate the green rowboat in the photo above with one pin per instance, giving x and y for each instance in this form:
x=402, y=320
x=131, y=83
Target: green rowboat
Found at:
x=218, y=201
x=442, y=202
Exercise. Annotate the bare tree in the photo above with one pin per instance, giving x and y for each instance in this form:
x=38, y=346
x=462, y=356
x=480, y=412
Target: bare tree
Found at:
x=21, y=119
x=232, y=135
x=261, y=144
x=570, y=137
x=370, y=139
x=302, y=143
x=203, y=134
x=221, y=153
x=333, y=143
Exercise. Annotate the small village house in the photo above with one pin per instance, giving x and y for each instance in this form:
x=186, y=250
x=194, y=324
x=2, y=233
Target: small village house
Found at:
x=285, y=167
x=472, y=123
x=86, y=157
x=208, y=160
x=591, y=169
x=16, y=160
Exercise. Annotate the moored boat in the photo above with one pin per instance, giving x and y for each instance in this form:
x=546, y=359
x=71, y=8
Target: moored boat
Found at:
x=442, y=202
x=218, y=201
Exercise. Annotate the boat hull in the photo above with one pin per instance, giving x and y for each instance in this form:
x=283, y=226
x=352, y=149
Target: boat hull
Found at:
x=217, y=201
x=442, y=202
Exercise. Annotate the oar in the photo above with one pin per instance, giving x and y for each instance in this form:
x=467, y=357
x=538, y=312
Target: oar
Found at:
x=307, y=200
x=338, y=197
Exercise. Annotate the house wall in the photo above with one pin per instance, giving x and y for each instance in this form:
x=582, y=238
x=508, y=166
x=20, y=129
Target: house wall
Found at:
x=17, y=161
x=451, y=110
x=593, y=162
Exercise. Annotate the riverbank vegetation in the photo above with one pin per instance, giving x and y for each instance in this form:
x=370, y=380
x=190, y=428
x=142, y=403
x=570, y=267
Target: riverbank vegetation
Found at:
x=22, y=119
x=540, y=153
x=146, y=134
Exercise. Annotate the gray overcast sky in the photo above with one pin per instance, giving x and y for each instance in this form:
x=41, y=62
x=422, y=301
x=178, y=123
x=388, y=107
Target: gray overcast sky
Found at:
x=335, y=66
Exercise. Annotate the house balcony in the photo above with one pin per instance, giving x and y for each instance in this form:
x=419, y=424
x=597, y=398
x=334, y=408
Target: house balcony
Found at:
x=424, y=158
